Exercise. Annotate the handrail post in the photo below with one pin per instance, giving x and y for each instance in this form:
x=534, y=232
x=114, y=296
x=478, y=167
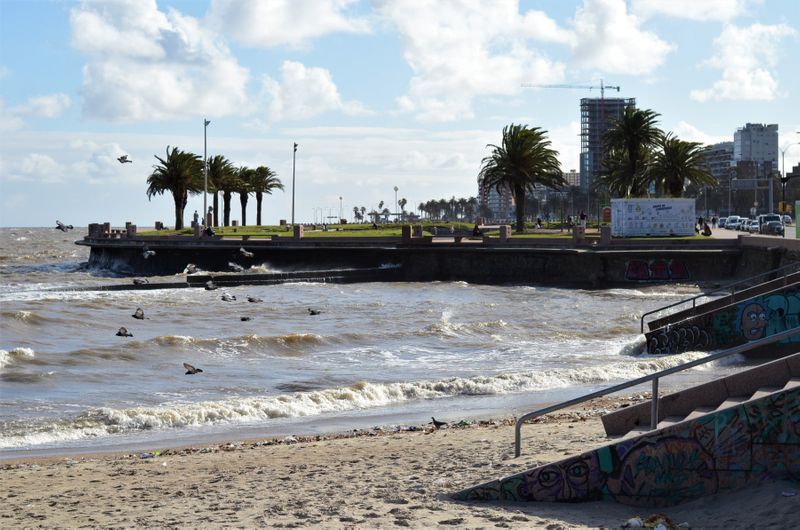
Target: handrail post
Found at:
x=654, y=406
x=517, y=439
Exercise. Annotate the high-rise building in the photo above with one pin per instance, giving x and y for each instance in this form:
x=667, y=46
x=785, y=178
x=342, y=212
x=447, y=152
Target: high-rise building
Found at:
x=573, y=178
x=756, y=142
x=597, y=115
x=501, y=204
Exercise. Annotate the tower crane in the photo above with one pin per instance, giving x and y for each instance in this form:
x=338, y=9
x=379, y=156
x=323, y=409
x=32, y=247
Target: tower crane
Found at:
x=602, y=87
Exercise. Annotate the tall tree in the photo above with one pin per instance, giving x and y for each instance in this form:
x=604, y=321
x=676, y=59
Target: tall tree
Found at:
x=627, y=143
x=220, y=174
x=523, y=161
x=180, y=173
x=678, y=163
x=245, y=177
x=263, y=180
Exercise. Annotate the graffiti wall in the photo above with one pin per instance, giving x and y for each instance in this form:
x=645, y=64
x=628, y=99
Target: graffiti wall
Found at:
x=657, y=270
x=735, y=447
x=746, y=321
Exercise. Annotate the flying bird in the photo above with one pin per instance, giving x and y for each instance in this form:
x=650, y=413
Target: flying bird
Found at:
x=245, y=253
x=61, y=226
x=210, y=285
x=438, y=424
x=146, y=253
x=314, y=311
x=140, y=281
x=138, y=314
x=191, y=370
x=254, y=299
x=235, y=267
x=124, y=160
x=122, y=332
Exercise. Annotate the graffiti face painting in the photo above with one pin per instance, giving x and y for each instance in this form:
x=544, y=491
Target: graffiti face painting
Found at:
x=754, y=321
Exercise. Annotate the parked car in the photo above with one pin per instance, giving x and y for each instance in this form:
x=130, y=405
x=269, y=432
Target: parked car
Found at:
x=787, y=219
x=766, y=218
x=722, y=221
x=752, y=226
x=772, y=228
x=733, y=222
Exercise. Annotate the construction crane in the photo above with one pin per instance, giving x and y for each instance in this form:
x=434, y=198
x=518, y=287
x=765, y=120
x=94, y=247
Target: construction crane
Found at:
x=602, y=87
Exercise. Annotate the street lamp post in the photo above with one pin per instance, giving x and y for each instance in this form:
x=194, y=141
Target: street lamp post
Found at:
x=395, y=203
x=206, y=123
x=784, y=179
x=340, y=208
x=294, y=153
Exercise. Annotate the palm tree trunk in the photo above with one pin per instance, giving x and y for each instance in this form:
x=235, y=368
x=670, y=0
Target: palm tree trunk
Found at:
x=216, y=209
x=259, y=196
x=180, y=204
x=243, y=202
x=519, y=198
x=226, y=205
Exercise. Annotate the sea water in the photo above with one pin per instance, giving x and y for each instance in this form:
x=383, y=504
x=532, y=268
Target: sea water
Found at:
x=377, y=354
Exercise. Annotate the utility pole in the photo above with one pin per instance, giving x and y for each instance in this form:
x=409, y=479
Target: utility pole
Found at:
x=294, y=153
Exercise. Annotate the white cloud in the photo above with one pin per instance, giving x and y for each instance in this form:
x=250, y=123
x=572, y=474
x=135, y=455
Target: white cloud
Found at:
x=144, y=64
x=38, y=167
x=688, y=132
x=720, y=10
x=609, y=39
x=304, y=92
x=289, y=22
x=51, y=106
x=745, y=56
x=460, y=50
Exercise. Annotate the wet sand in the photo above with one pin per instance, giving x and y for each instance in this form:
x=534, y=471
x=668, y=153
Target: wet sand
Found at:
x=365, y=479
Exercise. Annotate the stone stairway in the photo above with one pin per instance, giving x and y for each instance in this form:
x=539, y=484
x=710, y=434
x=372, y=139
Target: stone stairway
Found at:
x=714, y=437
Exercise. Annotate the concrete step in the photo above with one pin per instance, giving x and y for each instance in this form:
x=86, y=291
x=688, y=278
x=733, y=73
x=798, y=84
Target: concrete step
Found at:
x=732, y=402
x=699, y=411
x=792, y=383
x=765, y=391
x=669, y=420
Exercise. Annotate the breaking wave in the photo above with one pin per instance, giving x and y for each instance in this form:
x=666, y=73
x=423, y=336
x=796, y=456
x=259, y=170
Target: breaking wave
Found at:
x=8, y=357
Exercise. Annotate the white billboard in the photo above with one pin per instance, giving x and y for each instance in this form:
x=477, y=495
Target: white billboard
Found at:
x=652, y=217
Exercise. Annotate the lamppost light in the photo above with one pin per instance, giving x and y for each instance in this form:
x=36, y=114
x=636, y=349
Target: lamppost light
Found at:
x=207, y=122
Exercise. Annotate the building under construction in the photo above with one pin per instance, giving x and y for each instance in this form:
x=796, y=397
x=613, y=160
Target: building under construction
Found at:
x=597, y=115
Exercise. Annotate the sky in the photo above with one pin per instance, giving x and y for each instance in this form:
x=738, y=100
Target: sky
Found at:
x=377, y=94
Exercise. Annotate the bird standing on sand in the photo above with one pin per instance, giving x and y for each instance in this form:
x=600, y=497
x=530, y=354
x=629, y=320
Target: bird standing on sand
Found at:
x=124, y=160
x=314, y=311
x=245, y=253
x=438, y=424
x=138, y=314
x=140, y=281
x=191, y=370
x=122, y=332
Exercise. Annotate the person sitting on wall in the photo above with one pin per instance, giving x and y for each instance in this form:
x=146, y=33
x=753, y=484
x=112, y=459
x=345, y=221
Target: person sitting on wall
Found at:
x=209, y=231
x=374, y=225
x=476, y=231
x=538, y=222
x=706, y=230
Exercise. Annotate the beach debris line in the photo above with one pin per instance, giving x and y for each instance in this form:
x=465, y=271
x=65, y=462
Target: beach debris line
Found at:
x=191, y=370
x=123, y=332
x=61, y=226
x=138, y=314
x=438, y=424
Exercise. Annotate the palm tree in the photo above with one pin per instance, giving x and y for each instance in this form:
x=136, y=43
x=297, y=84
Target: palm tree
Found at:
x=244, y=176
x=363, y=212
x=180, y=173
x=627, y=142
x=356, y=213
x=402, y=203
x=615, y=177
x=679, y=163
x=220, y=174
x=263, y=180
x=523, y=161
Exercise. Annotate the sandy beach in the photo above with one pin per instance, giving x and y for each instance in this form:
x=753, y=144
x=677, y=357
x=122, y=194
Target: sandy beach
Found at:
x=366, y=479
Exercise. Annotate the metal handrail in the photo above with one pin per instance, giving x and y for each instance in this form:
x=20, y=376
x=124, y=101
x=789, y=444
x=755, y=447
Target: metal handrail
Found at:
x=654, y=377
x=727, y=287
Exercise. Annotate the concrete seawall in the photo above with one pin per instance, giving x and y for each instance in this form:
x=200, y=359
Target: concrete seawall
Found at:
x=487, y=261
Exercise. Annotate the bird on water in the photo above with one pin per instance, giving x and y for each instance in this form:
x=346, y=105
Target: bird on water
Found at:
x=123, y=332
x=191, y=370
x=138, y=314
x=314, y=311
x=140, y=281
x=226, y=297
x=245, y=253
x=254, y=299
x=210, y=285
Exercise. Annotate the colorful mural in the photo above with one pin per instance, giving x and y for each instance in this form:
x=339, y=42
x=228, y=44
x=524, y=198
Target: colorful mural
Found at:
x=656, y=270
x=723, y=451
x=746, y=321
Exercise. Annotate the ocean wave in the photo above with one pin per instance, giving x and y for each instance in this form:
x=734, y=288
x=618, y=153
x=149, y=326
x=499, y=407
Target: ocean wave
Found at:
x=361, y=395
x=8, y=357
x=292, y=340
x=448, y=328
x=27, y=317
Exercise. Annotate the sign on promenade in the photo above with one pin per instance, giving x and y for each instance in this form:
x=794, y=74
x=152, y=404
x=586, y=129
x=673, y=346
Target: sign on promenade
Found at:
x=652, y=217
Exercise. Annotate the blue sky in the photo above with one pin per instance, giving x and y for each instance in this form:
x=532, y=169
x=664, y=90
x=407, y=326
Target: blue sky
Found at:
x=377, y=94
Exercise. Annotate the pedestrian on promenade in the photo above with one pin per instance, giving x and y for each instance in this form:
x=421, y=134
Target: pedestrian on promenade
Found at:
x=196, y=218
x=583, y=219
